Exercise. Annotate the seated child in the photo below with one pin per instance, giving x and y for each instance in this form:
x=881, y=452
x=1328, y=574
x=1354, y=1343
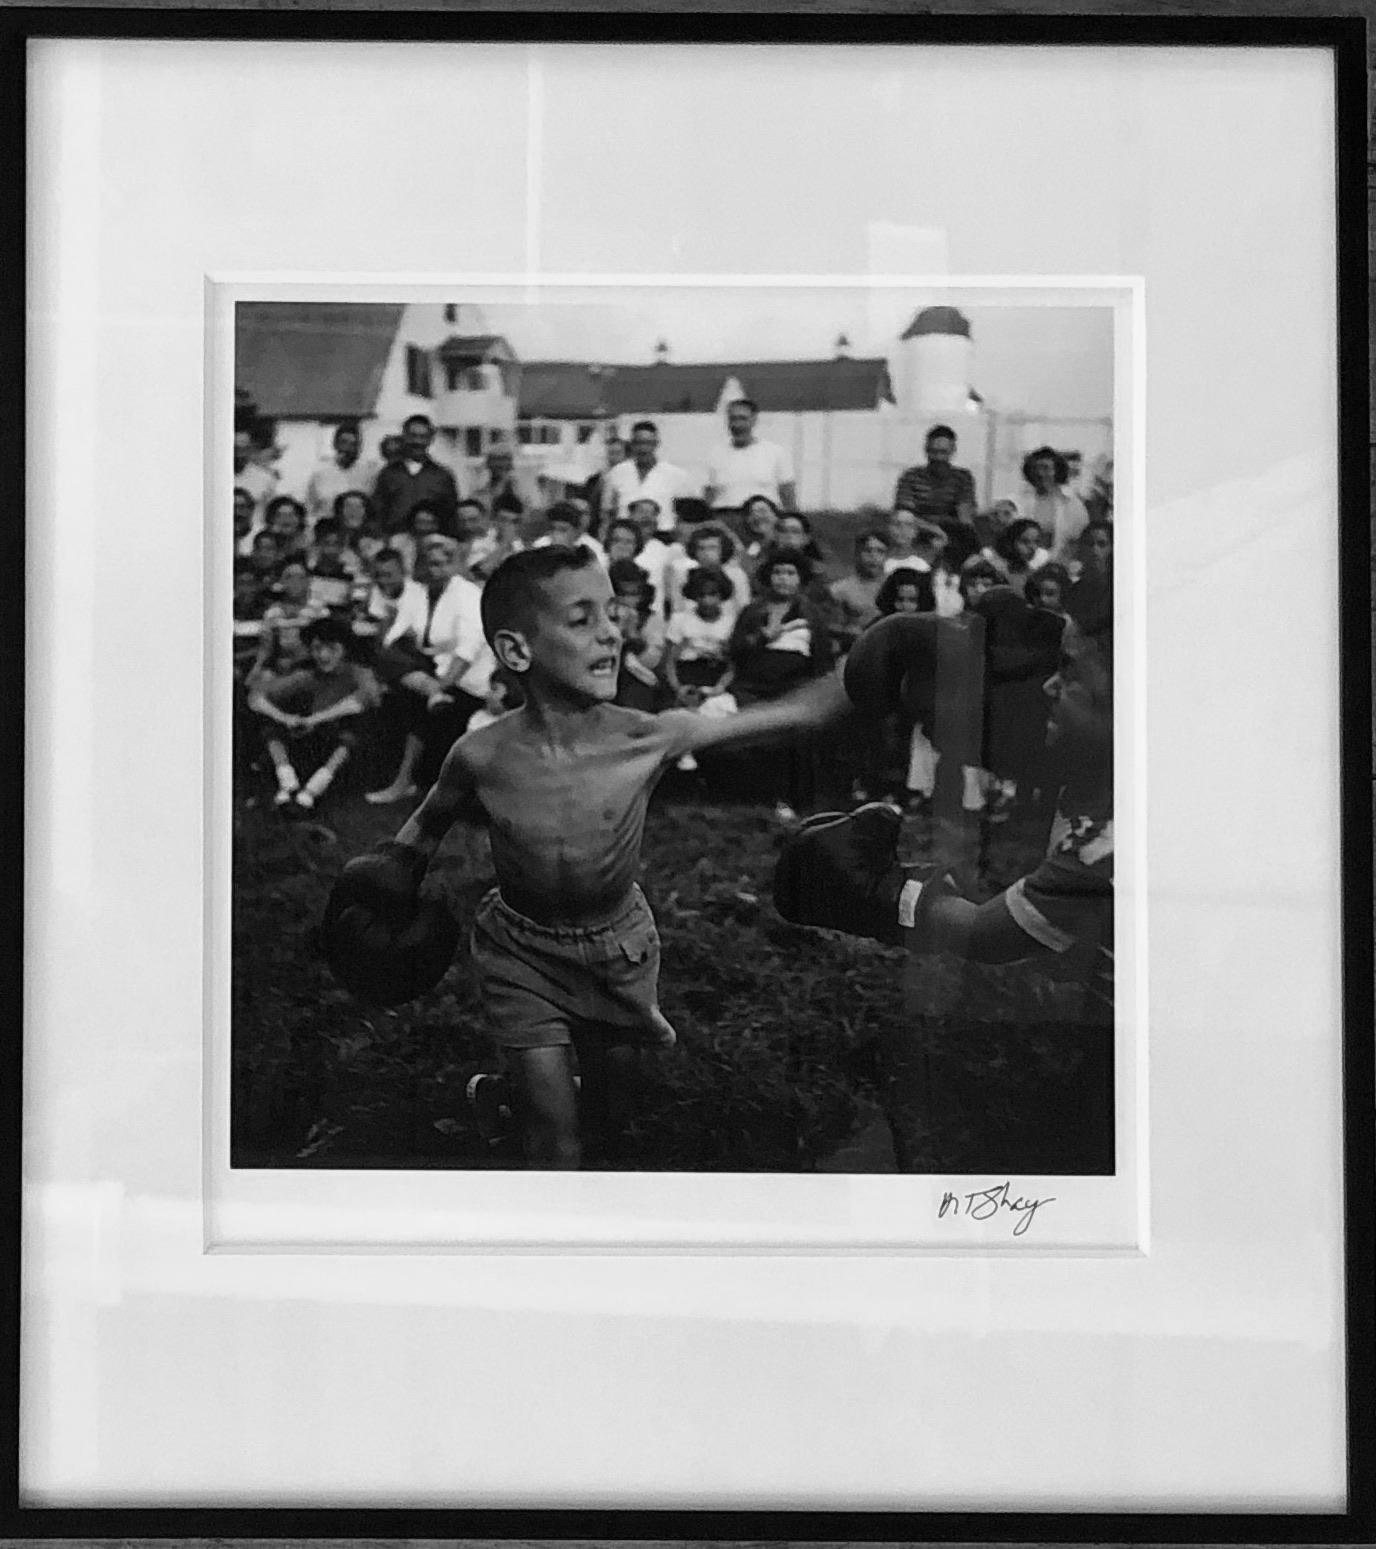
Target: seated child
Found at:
x=655, y=554
x=565, y=948
x=713, y=548
x=697, y=663
x=281, y=647
x=333, y=568
x=642, y=636
x=793, y=535
x=422, y=523
x=623, y=540
x=1048, y=588
x=248, y=617
x=243, y=523
x=503, y=695
x=377, y=608
x=363, y=537
x=286, y=521
x=264, y=555
x=1017, y=554
x=310, y=714
x=907, y=590
x=760, y=517
x=567, y=529
x=854, y=597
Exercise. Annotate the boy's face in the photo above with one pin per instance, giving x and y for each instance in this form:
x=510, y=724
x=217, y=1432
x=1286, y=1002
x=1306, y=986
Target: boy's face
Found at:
x=784, y=581
x=791, y=533
x=389, y=577
x=330, y=547
x=285, y=525
x=472, y=521
x=902, y=529
x=760, y=520
x=573, y=647
x=709, y=606
x=564, y=532
x=1098, y=548
x=265, y=551
x=327, y=655
x=295, y=582
x=1048, y=595
x=243, y=515
x=645, y=515
x=621, y=544
x=709, y=553
x=905, y=600
x=974, y=587
x=870, y=559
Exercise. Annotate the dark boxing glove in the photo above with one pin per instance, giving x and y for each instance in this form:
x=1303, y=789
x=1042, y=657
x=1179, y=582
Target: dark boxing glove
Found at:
x=923, y=665
x=841, y=871
x=382, y=940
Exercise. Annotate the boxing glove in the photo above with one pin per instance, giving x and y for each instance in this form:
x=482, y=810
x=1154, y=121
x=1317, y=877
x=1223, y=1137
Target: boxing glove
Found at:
x=841, y=871
x=382, y=940
x=924, y=666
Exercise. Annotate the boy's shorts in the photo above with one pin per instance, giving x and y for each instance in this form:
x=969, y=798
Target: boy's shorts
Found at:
x=539, y=981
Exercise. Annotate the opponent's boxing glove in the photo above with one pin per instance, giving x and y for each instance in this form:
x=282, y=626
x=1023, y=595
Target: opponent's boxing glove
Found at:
x=841, y=871
x=382, y=940
x=928, y=667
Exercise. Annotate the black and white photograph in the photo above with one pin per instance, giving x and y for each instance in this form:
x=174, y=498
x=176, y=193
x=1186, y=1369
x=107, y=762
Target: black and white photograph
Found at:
x=673, y=732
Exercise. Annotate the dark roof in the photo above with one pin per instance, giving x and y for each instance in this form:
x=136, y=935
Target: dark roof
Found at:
x=471, y=346
x=938, y=320
x=313, y=360
x=574, y=390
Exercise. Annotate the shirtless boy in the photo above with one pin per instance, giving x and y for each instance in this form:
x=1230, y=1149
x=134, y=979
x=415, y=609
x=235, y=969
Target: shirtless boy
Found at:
x=565, y=946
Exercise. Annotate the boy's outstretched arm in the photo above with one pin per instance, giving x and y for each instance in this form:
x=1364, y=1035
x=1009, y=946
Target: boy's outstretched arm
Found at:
x=814, y=705
x=436, y=815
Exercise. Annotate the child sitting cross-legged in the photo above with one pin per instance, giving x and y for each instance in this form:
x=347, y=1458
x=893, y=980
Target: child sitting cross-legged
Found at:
x=310, y=715
x=697, y=662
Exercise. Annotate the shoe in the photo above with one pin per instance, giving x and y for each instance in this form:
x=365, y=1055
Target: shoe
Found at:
x=489, y=1097
x=392, y=793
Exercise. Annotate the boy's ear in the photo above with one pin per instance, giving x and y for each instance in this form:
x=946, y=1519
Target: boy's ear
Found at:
x=511, y=650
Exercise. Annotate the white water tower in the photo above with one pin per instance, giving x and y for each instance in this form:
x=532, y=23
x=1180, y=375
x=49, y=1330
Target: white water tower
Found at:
x=933, y=365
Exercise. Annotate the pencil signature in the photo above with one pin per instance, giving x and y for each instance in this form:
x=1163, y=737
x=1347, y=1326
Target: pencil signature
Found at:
x=986, y=1204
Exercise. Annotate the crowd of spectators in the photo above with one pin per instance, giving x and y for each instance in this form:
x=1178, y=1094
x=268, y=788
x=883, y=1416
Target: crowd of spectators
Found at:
x=357, y=635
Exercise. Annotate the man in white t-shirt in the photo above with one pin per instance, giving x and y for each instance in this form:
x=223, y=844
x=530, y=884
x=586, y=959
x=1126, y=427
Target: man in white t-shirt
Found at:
x=748, y=466
x=642, y=476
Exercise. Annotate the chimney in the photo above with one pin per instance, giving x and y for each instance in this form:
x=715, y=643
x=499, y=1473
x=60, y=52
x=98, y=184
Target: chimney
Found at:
x=662, y=353
x=842, y=347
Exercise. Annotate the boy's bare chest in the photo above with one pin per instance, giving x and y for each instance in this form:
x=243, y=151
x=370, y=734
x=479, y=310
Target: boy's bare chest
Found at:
x=568, y=801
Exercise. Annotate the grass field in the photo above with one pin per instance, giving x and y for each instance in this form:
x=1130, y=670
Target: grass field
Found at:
x=791, y=1042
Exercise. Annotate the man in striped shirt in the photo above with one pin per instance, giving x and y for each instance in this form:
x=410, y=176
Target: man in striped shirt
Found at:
x=940, y=492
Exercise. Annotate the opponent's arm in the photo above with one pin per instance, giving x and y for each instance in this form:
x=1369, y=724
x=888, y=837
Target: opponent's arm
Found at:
x=841, y=871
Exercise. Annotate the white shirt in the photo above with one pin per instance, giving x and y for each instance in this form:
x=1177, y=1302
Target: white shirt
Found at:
x=329, y=481
x=656, y=560
x=697, y=637
x=456, y=630
x=739, y=473
x=664, y=484
x=1061, y=514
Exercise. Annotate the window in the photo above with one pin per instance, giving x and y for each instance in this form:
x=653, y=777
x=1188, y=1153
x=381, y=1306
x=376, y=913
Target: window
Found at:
x=451, y=313
x=537, y=433
x=473, y=441
x=417, y=371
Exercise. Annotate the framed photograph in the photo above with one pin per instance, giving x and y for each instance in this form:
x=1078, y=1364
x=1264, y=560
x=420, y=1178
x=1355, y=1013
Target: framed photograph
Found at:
x=697, y=778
